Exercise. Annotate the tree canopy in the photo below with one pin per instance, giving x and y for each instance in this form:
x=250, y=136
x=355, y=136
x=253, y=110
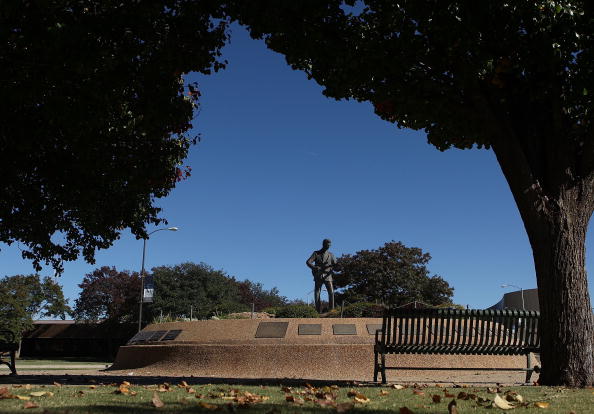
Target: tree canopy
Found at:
x=24, y=297
x=194, y=288
x=255, y=293
x=181, y=291
x=95, y=117
x=516, y=77
x=108, y=294
x=393, y=274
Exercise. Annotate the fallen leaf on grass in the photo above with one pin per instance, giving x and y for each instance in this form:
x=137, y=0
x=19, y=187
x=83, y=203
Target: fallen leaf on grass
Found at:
x=157, y=401
x=208, y=406
x=295, y=400
x=122, y=389
x=27, y=386
x=446, y=394
x=41, y=393
x=125, y=383
x=452, y=408
x=22, y=397
x=57, y=384
x=501, y=403
x=183, y=384
x=384, y=392
x=164, y=387
x=30, y=404
x=462, y=395
x=360, y=398
x=436, y=398
x=405, y=410
x=513, y=397
x=92, y=387
x=418, y=392
x=343, y=407
x=542, y=404
x=397, y=386
x=190, y=390
x=5, y=394
x=133, y=393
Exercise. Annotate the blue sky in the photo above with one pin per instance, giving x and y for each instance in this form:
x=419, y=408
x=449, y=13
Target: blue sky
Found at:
x=281, y=167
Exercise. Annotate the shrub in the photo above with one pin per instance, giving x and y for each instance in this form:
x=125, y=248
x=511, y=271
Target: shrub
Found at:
x=362, y=310
x=296, y=311
x=271, y=309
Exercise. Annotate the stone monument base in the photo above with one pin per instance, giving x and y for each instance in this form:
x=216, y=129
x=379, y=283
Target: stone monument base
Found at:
x=317, y=349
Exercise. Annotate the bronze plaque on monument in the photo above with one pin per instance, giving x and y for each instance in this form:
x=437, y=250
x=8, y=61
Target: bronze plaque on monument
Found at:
x=272, y=329
x=156, y=335
x=344, y=329
x=140, y=337
x=171, y=335
x=372, y=327
x=309, y=329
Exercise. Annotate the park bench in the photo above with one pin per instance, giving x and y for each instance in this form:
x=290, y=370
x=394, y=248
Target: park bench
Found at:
x=457, y=331
x=8, y=345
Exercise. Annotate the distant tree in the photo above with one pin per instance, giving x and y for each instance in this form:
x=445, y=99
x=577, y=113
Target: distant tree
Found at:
x=513, y=76
x=24, y=297
x=196, y=288
x=108, y=294
x=251, y=292
x=95, y=117
x=393, y=274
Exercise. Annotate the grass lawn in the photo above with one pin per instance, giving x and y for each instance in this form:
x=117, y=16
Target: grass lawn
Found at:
x=24, y=362
x=129, y=399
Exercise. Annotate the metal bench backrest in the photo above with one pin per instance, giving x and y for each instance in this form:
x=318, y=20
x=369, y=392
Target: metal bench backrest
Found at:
x=474, y=328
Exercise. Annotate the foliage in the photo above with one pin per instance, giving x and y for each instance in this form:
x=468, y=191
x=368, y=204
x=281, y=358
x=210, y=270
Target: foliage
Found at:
x=181, y=291
x=167, y=319
x=296, y=311
x=24, y=297
x=108, y=294
x=363, y=310
x=393, y=274
x=194, y=287
x=517, y=77
x=94, y=118
x=230, y=307
x=252, y=292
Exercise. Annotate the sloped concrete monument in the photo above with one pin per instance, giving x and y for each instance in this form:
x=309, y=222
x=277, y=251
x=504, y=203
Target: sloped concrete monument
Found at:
x=308, y=348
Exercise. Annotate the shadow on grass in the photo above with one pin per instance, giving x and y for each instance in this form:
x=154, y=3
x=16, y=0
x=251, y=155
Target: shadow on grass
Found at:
x=66, y=379
x=178, y=407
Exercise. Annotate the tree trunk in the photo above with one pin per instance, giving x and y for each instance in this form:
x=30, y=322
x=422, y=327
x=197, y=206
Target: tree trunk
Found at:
x=555, y=197
x=558, y=236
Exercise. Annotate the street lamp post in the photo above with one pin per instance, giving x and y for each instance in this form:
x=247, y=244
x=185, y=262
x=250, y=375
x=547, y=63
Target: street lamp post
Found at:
x=521, y=292
x=142, y=273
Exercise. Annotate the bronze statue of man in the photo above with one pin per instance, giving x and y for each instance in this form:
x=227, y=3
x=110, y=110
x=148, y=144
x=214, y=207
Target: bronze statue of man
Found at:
x=322, y=262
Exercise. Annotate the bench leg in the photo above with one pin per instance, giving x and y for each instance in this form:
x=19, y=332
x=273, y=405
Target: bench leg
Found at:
x=13, y=362
x=375, y=367
x=528, y=368
x=383, y=368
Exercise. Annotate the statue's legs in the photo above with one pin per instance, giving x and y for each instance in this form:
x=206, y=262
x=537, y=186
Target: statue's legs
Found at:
x=317, y=291
x=330, y=290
